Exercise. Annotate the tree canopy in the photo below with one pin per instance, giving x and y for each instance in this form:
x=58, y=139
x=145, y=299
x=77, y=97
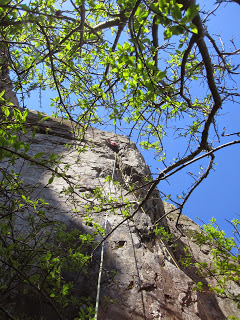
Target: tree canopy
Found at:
x=136, y=65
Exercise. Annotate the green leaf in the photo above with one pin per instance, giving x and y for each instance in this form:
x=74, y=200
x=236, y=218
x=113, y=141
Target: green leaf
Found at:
x=191, y=12
x=24, y=7
x=44, y=119
x=176, y=13
x=154, y=7
x=194, y=28
x=25, y=114
x=34, y=132
x=3, y=2
x=160, y=75
x=167, y=33
x=68, y=46
x=6, y=111
x=162, y=4
x=17, y=114
x=39, y=155
x=173, y=30
x=51, y=180
x=176, y=30
x=26, y=147
x=126, y=74
x=39, y=115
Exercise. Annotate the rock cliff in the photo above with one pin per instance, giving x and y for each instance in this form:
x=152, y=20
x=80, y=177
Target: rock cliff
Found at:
x=141, y=277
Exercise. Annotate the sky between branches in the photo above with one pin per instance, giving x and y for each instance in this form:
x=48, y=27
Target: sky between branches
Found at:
x=218, y=195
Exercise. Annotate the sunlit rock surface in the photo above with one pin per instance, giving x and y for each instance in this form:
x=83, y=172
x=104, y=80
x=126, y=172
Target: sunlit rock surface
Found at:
x=141, y=276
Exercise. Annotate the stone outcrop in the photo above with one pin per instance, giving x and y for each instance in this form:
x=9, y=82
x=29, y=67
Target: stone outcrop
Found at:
x=141, y=277
x=210, y=305
x=5, y=81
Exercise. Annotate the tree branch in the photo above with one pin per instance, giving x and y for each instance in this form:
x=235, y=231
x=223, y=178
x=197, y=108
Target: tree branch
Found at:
x=183, y=65
x=196, y=184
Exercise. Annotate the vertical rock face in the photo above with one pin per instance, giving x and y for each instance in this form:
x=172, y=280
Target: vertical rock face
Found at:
x=141, y=278
x=210, y=305
x=5, y=81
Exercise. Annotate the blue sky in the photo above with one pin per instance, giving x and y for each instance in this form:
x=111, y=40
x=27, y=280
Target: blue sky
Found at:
x=218, y=195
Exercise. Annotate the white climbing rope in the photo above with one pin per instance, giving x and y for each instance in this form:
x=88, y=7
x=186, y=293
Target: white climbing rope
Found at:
x=122, y=174
x=171, y=256
x=102, y=249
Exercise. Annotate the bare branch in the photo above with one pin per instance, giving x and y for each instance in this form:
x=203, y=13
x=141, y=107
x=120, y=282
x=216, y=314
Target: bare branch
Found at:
x=183, y=65
x=196, y=184
x=155, y=39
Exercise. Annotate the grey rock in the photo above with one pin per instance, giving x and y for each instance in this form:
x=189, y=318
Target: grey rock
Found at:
x=148, y=282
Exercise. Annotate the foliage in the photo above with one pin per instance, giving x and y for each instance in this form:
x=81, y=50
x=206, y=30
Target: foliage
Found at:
x=221, y=269
x=32, y=261
x=224, y=266
x=138, y=62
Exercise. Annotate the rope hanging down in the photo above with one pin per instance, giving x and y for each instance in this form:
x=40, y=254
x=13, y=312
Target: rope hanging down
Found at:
x=112, y=145
x=102, y=249
x=174, y=261
x=170, y=255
